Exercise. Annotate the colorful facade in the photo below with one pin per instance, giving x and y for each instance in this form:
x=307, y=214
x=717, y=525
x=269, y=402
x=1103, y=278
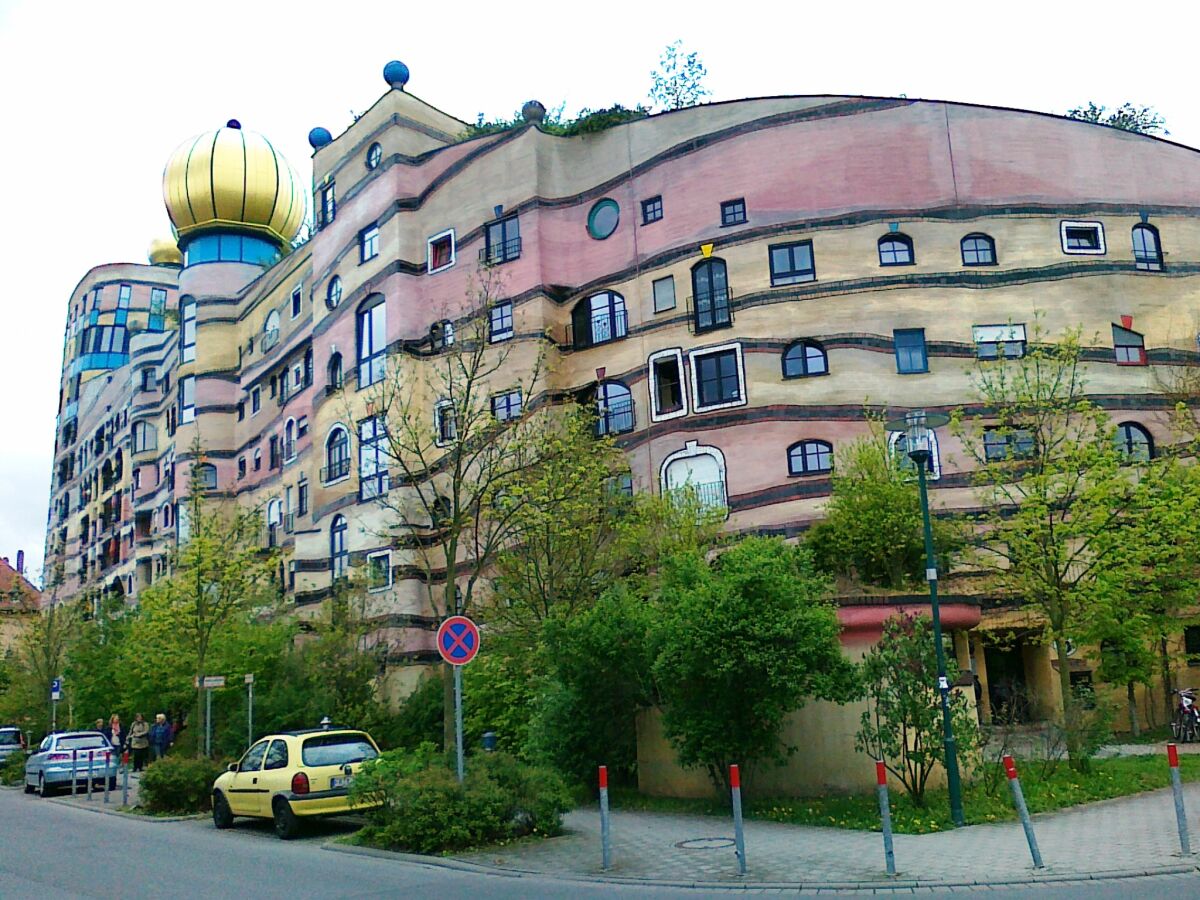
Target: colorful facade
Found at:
x=730, y=283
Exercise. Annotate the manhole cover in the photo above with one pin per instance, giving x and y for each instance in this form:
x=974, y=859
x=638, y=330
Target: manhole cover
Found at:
x=713, y=843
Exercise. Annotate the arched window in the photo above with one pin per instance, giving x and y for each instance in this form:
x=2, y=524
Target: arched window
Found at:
x=441, y=334
x=289, y=440
x=333, y=293
x=1135, y=442
x=339, y=556
x=697, y=469
x=710, y=295
x=896, y=250
x=810, y=458
x=804, y=358
x=442, y=511
x=599, y=319
x=167, y=515
x=270, y=331
x=337, y=455
x=898, y=445
x=978, y=250
x=372, y=340
x=614, y=408
x=206, y=476
x=334, y=372
x=1147, y=251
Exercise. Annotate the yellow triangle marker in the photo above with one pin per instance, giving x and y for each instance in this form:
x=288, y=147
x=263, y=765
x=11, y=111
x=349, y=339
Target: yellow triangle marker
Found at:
x=706, y=249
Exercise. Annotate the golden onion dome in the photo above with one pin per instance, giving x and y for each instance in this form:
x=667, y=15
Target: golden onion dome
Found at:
x=231, y=178
x=164, y=252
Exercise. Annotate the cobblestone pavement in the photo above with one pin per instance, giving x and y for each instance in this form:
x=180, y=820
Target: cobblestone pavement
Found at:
x=1132, y=834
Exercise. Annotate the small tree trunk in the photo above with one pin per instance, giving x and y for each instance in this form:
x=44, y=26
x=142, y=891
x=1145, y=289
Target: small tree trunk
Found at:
x=1134, y=725
x=1165, y=662
x=1070, y=723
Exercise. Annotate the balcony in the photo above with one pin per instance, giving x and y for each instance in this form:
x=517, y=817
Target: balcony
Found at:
x=615, y=417
x=711, y=310
x=371, y=487
x=494, y=254
x=598, y=329
x=707, y=496
x=335, y=470
x=289, y=523
x=269, y=339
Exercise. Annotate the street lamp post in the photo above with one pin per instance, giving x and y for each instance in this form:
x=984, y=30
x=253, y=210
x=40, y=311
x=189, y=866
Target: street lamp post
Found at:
x=917, y=427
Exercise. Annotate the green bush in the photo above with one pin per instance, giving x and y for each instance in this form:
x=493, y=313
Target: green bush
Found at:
x=177, y=784
x=423, y=808
x=13, y=770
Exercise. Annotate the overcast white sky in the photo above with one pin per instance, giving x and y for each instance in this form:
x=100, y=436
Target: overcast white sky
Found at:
x=94, y=96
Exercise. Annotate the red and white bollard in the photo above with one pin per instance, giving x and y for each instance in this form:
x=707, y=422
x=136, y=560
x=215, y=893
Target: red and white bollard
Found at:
x=1010, y=769
x=1185, y=846
x=605, y=833
x=885, y=813
x=739, y=839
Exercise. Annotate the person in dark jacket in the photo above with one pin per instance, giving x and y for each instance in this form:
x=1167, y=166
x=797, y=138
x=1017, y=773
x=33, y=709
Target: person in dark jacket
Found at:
x=160, y=736
x=139, y=742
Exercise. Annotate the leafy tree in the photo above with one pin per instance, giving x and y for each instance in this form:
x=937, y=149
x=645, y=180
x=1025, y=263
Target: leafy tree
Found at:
x=679, y=79
x=1062, y=504
x=902, y=724
x=1127, y=116
x=742, y=643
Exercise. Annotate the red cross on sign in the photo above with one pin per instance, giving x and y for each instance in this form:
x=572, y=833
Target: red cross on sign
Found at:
x=458, y=640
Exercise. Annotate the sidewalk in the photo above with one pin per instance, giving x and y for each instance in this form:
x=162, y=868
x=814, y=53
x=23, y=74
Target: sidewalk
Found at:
x=80, y=798
x=1132, y=835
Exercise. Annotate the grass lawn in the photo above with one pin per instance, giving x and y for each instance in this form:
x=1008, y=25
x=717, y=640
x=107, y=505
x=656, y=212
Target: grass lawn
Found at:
x=982, y=802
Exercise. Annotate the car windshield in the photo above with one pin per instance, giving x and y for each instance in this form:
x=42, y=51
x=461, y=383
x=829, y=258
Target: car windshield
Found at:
x=82, y=742
x=337, y=749
x=10, y=738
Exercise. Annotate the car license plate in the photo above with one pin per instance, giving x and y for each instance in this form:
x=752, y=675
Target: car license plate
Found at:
x=339, y=781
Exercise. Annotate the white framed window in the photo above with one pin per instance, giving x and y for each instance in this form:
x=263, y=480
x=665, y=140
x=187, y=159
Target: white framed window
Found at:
x=296, y=302
x=379, y=571
x=445, y=423
x=440, y=251
x=718, y=377
x=668, y=396
x=1082, y=238
x=698, y=468
x=999, y=341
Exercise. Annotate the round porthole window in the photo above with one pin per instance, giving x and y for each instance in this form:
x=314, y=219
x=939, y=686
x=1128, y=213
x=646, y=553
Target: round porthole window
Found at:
x=374, y=156
x=603, y=219
x=333, y=296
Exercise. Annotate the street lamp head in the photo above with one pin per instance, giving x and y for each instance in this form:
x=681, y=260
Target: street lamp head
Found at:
x=917, y=427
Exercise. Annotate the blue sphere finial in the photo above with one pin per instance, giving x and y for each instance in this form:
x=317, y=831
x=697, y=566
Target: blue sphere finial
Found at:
x=233, y=123
x=319, y=137
x=395, y=73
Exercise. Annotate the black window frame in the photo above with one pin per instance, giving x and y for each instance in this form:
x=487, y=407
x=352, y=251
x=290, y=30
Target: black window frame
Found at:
x=1072, y=235
x=371, y=365
x=374, y=156
x=1123, y=341
x=804, y=345
x=1006, y=444
x=705, y=380
x=902, y=240
x=588, y=324
x=339, y=553
x=652, y=209
x=297, y=301
x=1191, y=644
x=499, y=314
x=733, y=212
x=793, y=275
x=507, y=406
x=333, y=293
x=712, y=308
x=337, y=455
x=924, y=347
x=614, y=408
x=1144, y=260
x=798, y=452
x=1126, y=442
x=501, y=240
x=327, y=205
x=368, y=237
x=989, y=244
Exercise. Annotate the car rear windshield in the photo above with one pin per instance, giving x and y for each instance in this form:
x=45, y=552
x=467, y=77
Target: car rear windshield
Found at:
x=337, y=749
x=83, y=742
x=9, y=738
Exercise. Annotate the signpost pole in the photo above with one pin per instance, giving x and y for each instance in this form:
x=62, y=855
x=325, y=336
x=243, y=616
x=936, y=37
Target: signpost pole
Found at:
x=457, y=643
x=605, y=831
x=208, y=721
x=249, y=710
x=458, y=729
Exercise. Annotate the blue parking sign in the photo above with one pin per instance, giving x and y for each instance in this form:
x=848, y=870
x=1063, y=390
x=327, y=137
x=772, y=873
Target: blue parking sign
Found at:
x=56, y=689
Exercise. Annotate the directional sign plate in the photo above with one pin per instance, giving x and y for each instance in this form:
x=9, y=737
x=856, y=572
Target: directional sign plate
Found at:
x=56, y=689
x=458, y=640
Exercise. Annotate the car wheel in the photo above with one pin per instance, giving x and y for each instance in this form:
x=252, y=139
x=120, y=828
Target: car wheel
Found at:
x=286, y=824
x=41, y=788
x=222, y=814
x=29, y=788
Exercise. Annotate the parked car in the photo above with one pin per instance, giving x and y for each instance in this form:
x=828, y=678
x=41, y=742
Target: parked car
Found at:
x=292, y=776
x=51, y=766
x=11, y=741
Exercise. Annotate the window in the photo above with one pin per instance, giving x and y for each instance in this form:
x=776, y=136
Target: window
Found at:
x=1147, y=252
x=255, y=400
x=441, y=335
x=206, y=476
x=996, y=341
x=337, y=455
x=372, y=458
x=149, y=378
x=1129, y=346
x=439, y=251
x=502, y=241
x=302, y=497
x=614, y=408
x=667, y=398
x=500, y=322
x=333, y=293
x=717, y=377
x=598, y=319
x=187, y=399
x=158, y=305
x=792, y=263
x=445, y=423
x=664, y=294
x=297, y=295
x=1000, y=444
x=123, y=294
x=603, y=218
x=652, y=210
x=187, y=330
x=507, y=406
x=273, y=452
x=144, y=437
x=1191, y=644
x=910, y=351
x=810, y=458
x=277, y=756
x=257, y=459
x=804, y=358
x=896, y=250
x=301, y=427
x=374, y=156
x=733, y=212
x=339, y=556
x=270, y=330
x=698, y=470
x=289, y=440
x=372, y=340
x=898, y=444
x=1135, y=442
x=1082, y=238
x=368, y=243
x=379, y=571
x=328, y=206
x=241, y=467
x=710, y=296
x=334, y=372
x=978, y=250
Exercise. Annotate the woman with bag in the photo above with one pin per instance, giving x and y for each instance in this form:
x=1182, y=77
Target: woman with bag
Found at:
x=139, y=741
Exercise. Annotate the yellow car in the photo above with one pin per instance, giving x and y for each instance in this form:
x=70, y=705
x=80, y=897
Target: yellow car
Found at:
x=291, y=776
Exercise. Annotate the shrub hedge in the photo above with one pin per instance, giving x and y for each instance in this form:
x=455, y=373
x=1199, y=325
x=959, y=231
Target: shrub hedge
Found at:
x=13, y=770
x=178, y=785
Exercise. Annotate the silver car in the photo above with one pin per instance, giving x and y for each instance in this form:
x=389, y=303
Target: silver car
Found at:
x=11, y=741
x=69, y=753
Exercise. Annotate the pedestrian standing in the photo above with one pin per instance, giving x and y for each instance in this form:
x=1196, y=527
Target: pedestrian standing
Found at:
x=115, y=733
x=160, y=735
x=139, y=741
x=99, y=726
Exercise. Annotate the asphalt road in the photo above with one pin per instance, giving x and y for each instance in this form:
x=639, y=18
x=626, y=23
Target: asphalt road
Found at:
x=52, y=850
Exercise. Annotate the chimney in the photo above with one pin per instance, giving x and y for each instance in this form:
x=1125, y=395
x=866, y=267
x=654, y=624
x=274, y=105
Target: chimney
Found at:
x=20, y=562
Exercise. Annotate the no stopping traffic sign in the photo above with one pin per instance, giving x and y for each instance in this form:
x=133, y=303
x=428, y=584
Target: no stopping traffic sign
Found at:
x=458, y=640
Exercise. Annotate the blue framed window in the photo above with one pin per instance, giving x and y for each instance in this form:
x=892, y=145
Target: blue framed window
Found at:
x=372, y=340
x=500, y=322
x=911, y=357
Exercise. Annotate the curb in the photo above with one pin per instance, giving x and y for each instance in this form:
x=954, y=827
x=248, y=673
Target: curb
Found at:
x=63, y=801
x=905, y=885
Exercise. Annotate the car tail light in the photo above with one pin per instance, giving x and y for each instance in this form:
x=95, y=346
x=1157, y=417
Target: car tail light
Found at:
x=299, y=783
